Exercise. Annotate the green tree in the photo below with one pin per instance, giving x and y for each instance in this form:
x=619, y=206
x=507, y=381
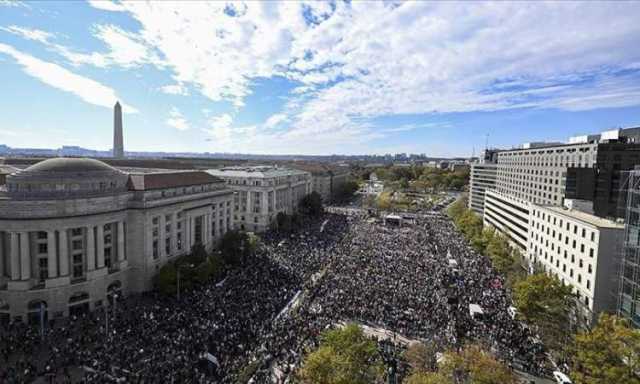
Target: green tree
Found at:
x=166, y=279
x=475, y=365
x=546, y=303
x=421, y=357
x=383, y=201
x=284, y=222
x=345, y=191
x=609, y=353
x=234, y=247
x=311, y=204
x=345, y=356
x=427, y=378
x=499, y=251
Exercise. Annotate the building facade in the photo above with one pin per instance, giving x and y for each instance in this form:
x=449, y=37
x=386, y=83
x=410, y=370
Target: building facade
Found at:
x=261, y=192
x=326, y=179
x=629, y=274
x=481, y=178
x=508, y=215
x=582, y=251
x=75, y=232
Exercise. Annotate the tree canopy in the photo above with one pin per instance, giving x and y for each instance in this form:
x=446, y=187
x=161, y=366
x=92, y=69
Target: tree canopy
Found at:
x=345, y=356
x=311, y=204
x=477, y=366
x=546, y=303
x=609, y=353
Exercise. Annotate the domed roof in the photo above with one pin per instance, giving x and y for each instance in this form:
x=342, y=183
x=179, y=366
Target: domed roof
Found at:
x=70, y=164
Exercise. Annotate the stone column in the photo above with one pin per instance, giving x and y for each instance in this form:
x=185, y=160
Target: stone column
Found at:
x=25, y=256
x=265, y=202
x=15, y=256
x=100, y=245
x=63, y=245
x=206, y=225
x=52, y=259
x=90, y=249
x=121, y=251
x=174, y=234
x=161, y=236
x=192, y=233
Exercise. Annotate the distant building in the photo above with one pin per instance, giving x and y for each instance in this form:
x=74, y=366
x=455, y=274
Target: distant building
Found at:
x=327, y=179
x=118, y=144
x=261, y=192
x=74, y=232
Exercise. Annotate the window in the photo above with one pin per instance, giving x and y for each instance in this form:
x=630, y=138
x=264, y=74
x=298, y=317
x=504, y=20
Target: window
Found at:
x=42, y=235
x=42, y=248
x=590, y=252
x=76, y=245
x=76, y=232
x=155, y=249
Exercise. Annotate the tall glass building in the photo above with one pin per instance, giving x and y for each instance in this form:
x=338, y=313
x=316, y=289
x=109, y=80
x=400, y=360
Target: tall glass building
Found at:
x=629, y=297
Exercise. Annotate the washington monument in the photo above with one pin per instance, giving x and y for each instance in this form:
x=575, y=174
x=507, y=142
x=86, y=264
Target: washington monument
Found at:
x=118, y=146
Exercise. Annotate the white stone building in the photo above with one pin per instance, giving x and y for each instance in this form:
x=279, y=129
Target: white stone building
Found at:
x=74, y=232
x=261, y=192
x=582, y=251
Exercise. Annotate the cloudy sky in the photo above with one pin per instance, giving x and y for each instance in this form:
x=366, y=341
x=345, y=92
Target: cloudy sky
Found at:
x=316, y=77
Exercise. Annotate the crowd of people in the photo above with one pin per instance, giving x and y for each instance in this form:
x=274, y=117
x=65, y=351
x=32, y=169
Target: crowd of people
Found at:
x=258, y=322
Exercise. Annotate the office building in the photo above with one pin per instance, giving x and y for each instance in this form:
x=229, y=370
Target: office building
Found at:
x=581, y=250
x=326, y=179
x=629, y=273
x=74, y=232
x=482, y=177
x=261, y=192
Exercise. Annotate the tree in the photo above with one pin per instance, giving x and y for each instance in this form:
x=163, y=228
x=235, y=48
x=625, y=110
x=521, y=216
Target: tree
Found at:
x=421, y=357
x=166, y=279
x=384, y=201
x=345, y=356
x=345, y=191
x=234, y=247
x=477, y=366
x=609, y=353
x=546, y=303
x=311, y=204
x=427, y=378
x=284, y=221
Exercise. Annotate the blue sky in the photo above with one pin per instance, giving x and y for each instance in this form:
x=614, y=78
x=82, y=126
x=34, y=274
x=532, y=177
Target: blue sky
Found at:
x=316, y=77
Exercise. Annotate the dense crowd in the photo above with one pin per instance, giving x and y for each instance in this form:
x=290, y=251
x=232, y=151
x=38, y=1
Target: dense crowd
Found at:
x=260, y=319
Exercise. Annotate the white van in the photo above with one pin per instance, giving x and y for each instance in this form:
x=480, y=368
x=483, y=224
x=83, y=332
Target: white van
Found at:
x=561, y=378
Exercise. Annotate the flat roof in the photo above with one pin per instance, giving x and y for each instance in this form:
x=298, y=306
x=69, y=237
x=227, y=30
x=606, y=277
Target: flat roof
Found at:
x=583, y=217
x=261, y=171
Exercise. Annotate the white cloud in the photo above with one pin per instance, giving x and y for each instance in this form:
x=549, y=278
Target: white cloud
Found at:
x=174, y=89
x=276, y=119
x=28, y=33
x=360, y=60
x=413, y=127
x=106, y=5
x=58, y=77
x=177, y=120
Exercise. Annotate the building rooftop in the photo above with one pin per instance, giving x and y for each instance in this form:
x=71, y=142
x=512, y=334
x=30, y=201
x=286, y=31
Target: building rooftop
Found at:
x=172, y=179
x=70, y=165
x=260, y=171
x=584, y=217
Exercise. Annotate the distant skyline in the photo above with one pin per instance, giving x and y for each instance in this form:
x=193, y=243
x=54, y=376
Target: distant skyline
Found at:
x=316, y=78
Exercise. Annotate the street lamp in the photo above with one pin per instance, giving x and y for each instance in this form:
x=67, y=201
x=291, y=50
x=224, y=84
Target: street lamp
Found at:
x=180, y=266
